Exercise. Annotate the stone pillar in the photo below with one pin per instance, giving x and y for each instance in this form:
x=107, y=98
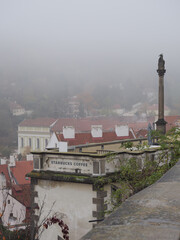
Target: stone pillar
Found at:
x=161, y=123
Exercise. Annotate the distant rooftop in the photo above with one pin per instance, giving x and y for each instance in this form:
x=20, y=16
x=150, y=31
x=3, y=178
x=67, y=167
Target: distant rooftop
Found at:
x=20, y=170
x=37, y=122
x=86, y=138
x=84, y=124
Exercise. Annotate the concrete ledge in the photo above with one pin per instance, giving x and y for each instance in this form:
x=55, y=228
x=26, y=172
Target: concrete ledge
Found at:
x=153, y=213
x=96, y=181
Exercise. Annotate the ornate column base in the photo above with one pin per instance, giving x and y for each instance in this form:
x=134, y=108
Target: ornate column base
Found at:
x=161, y=125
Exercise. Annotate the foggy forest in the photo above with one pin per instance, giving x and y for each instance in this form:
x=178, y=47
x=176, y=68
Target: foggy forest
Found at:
x=101, y=53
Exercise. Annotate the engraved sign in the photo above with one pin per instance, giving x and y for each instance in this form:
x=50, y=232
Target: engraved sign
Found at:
x=69, y=163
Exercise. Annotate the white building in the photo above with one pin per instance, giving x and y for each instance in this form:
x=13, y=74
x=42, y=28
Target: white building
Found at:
x=68, y=185
x=15, y=199
x=13, y=212
x=16, y=109
x=34, y=134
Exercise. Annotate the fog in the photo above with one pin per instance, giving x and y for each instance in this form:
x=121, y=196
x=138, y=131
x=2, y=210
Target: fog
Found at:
x=89, y=41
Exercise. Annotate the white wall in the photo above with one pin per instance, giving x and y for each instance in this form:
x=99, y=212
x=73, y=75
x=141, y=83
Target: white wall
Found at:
x=3, y=161
x=53, y=142
x=96, y=131
x=122, y=130
x=17, y=209
x=68, y=132
x=12, y=206
x=2, y=181
x=33, y=135
x=73, y=202
x=63, y=146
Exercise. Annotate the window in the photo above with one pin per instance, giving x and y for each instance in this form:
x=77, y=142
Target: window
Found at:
x=8, y=201
x=41, y=162
x=96, y=167
x=36, y=163
x=12, y=218
x=102, y=166
x=99, y=167
x=22, y=142
x=37, y=143
x=46, y=142
x=30, y=144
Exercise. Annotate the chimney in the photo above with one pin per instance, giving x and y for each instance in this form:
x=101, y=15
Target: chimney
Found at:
x=122, y=130
x=63, y=146
x=12, y=162
x=96, y=131
x=68, y=132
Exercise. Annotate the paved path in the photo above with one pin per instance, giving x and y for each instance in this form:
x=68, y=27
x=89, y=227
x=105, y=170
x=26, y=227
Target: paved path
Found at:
x=151, y=214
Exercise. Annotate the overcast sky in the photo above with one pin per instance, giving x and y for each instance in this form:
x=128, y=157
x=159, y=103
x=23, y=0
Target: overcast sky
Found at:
x=106, y=40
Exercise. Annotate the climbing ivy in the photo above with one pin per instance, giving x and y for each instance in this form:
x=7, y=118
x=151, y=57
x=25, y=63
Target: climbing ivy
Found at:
x=132, y=178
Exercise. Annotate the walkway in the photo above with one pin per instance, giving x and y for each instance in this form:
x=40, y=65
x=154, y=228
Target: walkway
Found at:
x=151, y=214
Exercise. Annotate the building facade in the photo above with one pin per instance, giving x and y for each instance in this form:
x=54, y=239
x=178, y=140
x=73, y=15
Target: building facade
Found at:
x=75, y=187
x=15, y=194
x=34, y=134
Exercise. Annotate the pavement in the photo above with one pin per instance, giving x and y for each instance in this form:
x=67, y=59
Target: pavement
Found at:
x=151, y=214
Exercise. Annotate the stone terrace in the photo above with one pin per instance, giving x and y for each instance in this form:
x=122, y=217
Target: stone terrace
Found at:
x=153, y=213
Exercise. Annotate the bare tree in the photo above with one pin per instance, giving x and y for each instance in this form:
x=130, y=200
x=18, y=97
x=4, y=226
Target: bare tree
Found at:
x=40, y=223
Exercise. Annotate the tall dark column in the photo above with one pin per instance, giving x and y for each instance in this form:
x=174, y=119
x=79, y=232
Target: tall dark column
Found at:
x=161, y=123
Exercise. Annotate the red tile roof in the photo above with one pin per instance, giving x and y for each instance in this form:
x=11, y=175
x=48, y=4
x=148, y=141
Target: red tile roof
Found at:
x=84, y=124
x=38, y=122
x=22, y=193
x=172, y=121
x=138, y=125
x=80, y=125
x=142, y=133
x=20, y=170
x=85, y=138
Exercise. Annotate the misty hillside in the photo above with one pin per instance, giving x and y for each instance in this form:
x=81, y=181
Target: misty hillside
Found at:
x=102, y=54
